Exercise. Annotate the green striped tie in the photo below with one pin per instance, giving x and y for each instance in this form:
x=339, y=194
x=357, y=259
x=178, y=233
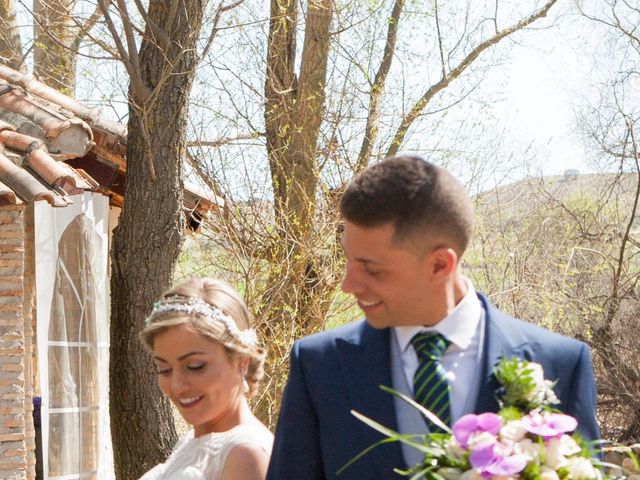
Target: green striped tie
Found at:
x=430, y=386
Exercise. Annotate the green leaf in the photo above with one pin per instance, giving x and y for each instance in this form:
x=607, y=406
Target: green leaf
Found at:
x=427, y=413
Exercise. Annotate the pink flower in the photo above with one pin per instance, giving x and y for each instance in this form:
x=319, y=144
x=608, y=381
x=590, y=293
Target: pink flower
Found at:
x=471, y=424
x=549, y=425
x=491, y=461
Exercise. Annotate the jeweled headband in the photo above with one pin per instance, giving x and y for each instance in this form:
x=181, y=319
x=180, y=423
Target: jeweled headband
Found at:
x=179, y=304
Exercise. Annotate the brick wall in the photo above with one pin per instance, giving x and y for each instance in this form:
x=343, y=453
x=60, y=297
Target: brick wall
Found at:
x=13, y=444
x=28, y=314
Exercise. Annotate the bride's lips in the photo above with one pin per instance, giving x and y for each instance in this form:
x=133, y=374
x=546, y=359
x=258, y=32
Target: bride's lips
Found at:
x=189, y=402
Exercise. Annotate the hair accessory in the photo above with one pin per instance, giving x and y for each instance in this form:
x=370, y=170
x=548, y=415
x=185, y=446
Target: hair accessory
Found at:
x=189, y=306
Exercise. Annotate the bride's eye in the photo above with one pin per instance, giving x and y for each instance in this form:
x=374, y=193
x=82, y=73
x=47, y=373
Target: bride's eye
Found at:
x=194, y=367
x=162, y=371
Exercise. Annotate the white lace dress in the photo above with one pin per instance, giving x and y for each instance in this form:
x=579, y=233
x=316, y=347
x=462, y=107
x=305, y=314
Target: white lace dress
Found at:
x=203, y=458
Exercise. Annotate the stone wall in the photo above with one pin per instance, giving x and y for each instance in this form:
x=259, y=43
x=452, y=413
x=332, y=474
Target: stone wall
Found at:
x=13, y=419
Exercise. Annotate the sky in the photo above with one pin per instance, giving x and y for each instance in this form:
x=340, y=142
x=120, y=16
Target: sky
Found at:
x=557, y=75
x=549, y=79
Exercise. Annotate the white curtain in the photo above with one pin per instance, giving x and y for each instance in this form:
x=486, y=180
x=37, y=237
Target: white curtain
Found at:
x=71, y=245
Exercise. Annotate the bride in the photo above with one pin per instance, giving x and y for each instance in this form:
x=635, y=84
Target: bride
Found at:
x=208, y=360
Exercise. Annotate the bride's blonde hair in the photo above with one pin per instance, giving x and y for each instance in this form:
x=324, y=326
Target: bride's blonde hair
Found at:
x=213, y=309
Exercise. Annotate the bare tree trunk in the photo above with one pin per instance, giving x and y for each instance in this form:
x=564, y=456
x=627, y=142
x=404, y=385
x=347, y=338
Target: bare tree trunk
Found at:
x=297, y=294
x=10, y=44
x=294, y=112
x=148, y=238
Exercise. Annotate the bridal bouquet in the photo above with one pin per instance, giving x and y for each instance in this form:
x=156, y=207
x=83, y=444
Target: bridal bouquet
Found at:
x=527, y=439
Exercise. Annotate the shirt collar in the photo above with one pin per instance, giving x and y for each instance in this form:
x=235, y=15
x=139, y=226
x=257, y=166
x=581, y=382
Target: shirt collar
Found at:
x=458, y=327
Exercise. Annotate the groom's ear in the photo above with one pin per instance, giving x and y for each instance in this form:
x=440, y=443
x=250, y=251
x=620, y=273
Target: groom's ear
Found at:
x=442, y=262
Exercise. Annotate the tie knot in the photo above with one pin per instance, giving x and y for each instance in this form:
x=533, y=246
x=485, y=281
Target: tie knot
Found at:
x=429, y=344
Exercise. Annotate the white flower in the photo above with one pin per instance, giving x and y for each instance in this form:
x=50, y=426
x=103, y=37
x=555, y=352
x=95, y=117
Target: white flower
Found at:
x=548, y=474
x=529, y=448
x=537, y=374
x=553, y=454
x=449, y=473
x=513, y=431
x=580, y=468
x=543, y=392
x=557, y=449
x=480, y=439
x=550, y=395
x=568, y=445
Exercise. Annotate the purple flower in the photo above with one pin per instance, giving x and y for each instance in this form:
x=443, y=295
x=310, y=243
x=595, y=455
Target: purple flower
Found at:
x=549, y=425
x=472, y=424
x=490, y=460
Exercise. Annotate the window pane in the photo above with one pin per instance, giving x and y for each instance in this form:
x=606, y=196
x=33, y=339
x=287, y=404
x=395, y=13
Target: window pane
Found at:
x=73, y=443
x=73, y=376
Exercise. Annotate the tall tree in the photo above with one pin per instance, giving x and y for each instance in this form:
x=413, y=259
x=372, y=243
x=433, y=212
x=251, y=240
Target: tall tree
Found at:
x=10, y=43
x=58, y=33
x=300, y=288
x=294, y=110
x=149, y=235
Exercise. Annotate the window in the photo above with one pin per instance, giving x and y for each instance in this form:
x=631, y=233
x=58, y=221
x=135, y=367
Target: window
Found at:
x=72, y=330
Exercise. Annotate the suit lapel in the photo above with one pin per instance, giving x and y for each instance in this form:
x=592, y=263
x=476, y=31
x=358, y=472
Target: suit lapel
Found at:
x=365, y=363
x=498, y=342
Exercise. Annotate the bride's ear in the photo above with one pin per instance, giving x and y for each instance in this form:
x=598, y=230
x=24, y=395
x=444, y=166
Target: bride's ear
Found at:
x=242, y=366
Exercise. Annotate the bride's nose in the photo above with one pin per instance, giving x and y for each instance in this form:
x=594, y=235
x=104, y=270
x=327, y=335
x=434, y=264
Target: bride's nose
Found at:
x=179, y=383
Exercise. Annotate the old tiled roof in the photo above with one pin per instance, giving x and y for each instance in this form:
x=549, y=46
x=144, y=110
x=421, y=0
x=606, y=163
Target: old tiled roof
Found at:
x=52, y=146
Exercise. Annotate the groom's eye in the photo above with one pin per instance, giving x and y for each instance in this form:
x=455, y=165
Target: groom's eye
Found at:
x=373, y=272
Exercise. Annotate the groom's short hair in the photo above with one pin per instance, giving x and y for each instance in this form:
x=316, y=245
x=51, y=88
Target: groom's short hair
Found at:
x=423, y=201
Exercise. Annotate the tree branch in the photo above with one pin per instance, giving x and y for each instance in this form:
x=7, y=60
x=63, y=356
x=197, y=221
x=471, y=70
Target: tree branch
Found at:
x=419, y=106
x=214, y=29
x=219, y=142
x=161, y=37
x=83, y=30
x=133, y=68
x=375, y=96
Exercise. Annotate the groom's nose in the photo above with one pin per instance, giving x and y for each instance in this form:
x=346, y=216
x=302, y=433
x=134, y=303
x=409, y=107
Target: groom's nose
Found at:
x=352, y=283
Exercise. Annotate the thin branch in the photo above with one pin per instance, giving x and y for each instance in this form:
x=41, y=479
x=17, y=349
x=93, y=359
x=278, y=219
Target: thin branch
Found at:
x=444, y=69
x=214, y=29
x=616, y=280
x=375, y=96
x=129, y=34
x=408, y=120
x=133, y=70
x=161, y=37
x=83, y=30
x=219, y=142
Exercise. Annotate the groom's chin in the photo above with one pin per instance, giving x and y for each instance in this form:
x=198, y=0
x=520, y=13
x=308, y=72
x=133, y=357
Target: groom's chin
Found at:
x=377, y=323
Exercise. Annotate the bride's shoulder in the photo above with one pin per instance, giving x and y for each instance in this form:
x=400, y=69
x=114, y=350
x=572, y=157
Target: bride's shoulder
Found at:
x=252, y=434
x=247, y=451
x=247, y=461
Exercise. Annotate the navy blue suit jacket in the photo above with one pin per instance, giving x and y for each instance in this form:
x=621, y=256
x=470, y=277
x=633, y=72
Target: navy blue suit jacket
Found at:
x=337, y=371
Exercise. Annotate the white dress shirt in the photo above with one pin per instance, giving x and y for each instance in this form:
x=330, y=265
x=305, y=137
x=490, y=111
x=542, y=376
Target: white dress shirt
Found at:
x=464, y=328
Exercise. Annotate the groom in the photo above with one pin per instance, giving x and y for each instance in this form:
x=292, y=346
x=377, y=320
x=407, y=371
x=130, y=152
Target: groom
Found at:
x=407, y=224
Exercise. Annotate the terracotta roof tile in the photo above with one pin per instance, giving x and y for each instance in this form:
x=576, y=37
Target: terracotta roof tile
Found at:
x=25, y=186
x=52, y=146
x=66, y=137
x=8, y=196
